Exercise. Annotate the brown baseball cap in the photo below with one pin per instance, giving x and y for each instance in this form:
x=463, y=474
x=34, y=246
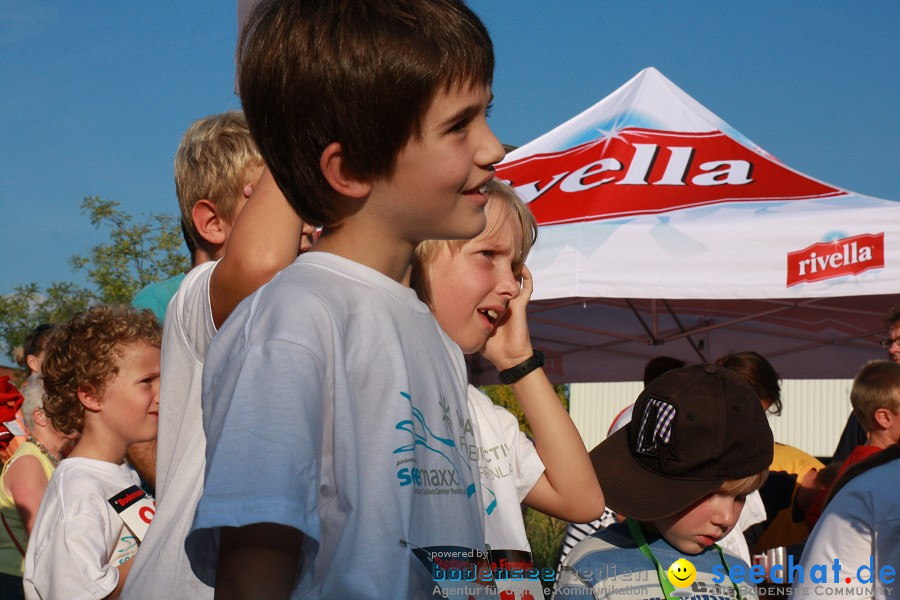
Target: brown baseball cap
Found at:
x=692, y=429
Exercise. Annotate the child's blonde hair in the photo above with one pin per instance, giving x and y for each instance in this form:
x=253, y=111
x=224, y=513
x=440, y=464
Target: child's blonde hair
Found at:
x=877, y=385
x=515, y=210
x=85, y=353
x=213, y=162
x=745, y=485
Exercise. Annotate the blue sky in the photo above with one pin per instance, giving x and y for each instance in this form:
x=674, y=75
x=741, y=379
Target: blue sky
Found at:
x=96, y=94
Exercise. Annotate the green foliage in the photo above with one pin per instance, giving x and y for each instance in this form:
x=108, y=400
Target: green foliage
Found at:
x=29, y=306
x=545, y=534
x=504, y=396
x=135, y=254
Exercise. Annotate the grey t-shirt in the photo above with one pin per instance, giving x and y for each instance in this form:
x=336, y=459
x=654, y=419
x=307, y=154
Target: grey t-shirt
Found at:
x=333, y=403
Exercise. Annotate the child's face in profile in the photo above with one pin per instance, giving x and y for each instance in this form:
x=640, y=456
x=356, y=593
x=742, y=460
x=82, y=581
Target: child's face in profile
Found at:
x=702, y=524
x=436, y=190
x=130, y=400
x=471, y=286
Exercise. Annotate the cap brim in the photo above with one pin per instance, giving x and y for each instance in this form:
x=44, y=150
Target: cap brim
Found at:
x=634, y=491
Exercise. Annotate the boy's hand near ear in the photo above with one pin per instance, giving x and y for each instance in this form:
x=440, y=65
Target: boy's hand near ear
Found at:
x=568, y=489
x=510, y=343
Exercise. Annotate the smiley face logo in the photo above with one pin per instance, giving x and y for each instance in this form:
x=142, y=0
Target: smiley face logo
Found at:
x=682, y=573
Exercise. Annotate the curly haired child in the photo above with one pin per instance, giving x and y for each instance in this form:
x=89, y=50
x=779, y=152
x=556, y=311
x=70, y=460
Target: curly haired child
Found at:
x=101, y=377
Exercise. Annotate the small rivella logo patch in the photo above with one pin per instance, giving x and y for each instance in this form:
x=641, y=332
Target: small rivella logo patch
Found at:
x=837, y=258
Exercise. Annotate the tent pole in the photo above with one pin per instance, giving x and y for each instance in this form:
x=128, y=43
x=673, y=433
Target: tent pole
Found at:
x=655, y=341
x=681, y=327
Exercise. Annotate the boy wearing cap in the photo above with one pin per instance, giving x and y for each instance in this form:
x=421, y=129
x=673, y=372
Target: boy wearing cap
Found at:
x=699, y=442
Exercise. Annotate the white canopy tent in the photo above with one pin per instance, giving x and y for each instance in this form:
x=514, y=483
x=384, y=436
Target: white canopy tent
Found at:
x=664, y=231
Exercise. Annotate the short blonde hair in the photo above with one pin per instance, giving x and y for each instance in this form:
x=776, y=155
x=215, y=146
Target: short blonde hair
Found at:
x=213, y=162
x=86, y=354
x=515, y=209
x=877, y=385
x=745, y=485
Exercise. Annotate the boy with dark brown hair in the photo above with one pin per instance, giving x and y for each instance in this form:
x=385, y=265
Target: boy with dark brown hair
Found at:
x=334, y=380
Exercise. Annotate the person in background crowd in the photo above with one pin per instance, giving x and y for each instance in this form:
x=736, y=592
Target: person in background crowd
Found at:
x=30, y=357
x=861, y=528
x=791, y=486
x=22, y=483
x=892, y=343
x=875, y=397
x=854, y=434
x=156, y=296
x=101, y=377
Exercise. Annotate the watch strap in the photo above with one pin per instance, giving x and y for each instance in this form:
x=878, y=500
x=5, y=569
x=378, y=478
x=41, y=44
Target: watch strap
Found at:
x=513, y=374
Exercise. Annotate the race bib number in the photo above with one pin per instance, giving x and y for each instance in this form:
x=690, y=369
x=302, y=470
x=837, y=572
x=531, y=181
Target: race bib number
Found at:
x=136, y=509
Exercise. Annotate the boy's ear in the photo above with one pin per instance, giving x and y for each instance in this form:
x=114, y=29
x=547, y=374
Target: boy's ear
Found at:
x=208, y=222
x=338, y=176
x=883, y=417
x=89, y=398
x=33, y=363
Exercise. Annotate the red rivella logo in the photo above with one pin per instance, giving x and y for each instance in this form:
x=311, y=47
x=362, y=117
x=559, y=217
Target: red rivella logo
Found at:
x=825, y=260
x=643, y=171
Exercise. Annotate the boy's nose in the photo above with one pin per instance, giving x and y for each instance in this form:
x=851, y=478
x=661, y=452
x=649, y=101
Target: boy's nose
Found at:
x=726, y=513
x=509, y=287
x=492, y=151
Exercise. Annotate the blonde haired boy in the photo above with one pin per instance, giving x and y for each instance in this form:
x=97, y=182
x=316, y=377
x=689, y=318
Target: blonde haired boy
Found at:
x=875, y=397
x=478, y=291
x=225, y=197
x=215, y=160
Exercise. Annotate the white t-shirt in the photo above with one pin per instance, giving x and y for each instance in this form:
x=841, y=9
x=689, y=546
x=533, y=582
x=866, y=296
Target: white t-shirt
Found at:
x=162, y=569
x=861, y=522
x=334, y=404
x=509, y=465
x=78, y=539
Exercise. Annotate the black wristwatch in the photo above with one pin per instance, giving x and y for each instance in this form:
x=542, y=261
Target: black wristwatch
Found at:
x=513, y=374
